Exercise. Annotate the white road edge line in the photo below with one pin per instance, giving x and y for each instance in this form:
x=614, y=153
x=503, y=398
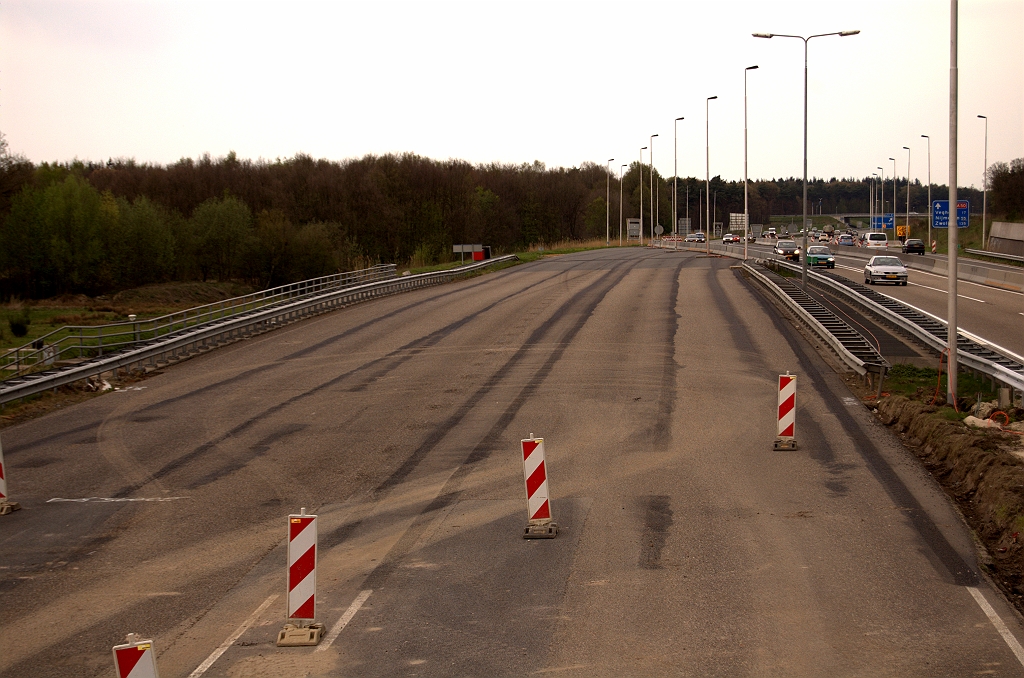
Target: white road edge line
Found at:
x=215, y=655
x=997, y=622
x=340, y=625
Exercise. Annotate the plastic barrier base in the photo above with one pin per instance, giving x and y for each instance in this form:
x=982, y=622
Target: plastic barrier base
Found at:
x=785, y=444
x=300, y=636
x=549, y=531
x=8, y=507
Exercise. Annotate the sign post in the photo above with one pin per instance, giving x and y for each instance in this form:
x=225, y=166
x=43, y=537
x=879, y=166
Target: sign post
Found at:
x=135, y=659
x=538, y=501
x=6, y=505
x=301, y=583
x=940, y=213
x=786, y=438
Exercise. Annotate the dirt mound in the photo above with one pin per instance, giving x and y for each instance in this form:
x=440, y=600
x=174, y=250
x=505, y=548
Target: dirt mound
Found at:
x=177, y=295
x=983, y=470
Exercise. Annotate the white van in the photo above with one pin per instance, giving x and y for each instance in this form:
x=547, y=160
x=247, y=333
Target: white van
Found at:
x=876, y=239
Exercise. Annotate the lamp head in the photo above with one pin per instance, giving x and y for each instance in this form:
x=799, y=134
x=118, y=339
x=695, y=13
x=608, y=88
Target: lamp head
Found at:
x=762, y=35
x=925, y=136
x=892, y=158
x=982, y=116
x=750, y=68
x=714, y=97
x=846, y=33
x=906, y=148
x=680, y=118
x=653, y=135
x=644, y=148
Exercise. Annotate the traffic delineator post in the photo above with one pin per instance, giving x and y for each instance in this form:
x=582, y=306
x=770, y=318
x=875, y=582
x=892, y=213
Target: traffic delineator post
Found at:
x=6, y=505
x=135, y=658
x=540, y=524
x=786, y=436
x=301, y=598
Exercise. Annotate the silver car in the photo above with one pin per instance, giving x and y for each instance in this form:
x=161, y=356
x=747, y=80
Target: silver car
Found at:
x=885, y=269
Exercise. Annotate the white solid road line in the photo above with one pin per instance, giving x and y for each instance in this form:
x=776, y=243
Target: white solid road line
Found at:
x=937, y=289
x=340, y=625
x=204, y=667
x=968, y=282
x=998, y=623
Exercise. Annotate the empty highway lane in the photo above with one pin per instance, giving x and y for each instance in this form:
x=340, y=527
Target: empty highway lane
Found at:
x=687, y=546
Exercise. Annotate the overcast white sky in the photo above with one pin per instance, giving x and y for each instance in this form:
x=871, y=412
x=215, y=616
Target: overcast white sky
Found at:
x=556, y=81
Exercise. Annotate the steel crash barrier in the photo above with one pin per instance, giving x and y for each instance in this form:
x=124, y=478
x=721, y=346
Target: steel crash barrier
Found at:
x=149, y=347
x=974, y=352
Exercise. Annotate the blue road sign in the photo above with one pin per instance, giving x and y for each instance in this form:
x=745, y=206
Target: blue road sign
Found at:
x=883, y=221
x=940, y=213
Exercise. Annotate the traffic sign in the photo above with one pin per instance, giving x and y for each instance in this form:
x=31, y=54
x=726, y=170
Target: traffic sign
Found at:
x=940, y=213
x=883, y=221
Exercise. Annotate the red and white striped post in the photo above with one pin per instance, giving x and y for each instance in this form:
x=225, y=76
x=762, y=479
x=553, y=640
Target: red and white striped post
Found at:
x=301, y=583
x=6, y=505
x=538, y=500
x=135, y=659
x=786, y=438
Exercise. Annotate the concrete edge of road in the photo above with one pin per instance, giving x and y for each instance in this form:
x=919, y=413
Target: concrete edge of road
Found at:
x=969, y=270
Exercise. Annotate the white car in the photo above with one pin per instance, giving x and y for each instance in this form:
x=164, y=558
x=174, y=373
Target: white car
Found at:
x=885, y=269
x=876, y=239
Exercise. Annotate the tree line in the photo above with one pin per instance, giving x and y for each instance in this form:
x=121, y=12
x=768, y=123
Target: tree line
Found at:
x=95, y=228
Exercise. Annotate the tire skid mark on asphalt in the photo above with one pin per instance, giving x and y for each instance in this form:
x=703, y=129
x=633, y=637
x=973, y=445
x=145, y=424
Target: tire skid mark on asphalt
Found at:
x=588, y=298
x=11, y=450
x=387, y=363
x=497, y=277
x=822, y=450
x=939, y=551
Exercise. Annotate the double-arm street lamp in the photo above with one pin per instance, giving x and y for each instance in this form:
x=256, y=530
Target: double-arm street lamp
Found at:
x=651, y=153
x=707, y=172
x=675, y=174
x=621, y=167
x=803, y=259
x=640, y=172
x=608, y=204
x=746, y=208
x=925, y=136
x=984, y=195
x=907, y=236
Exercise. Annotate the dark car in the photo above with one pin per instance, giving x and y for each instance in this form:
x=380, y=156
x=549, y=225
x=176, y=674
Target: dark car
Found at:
x=788, y=249
x=913, y=246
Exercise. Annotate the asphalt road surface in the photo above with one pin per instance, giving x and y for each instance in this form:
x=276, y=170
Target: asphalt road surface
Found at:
x=687, y=546
x=990, y=312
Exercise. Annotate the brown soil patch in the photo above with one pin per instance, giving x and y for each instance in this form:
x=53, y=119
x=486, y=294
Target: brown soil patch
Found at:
x=982, y=470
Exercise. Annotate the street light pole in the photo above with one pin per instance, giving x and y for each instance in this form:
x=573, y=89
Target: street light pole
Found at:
x=675, y=175
x=893, y=196
x=925, y=136
x=746, y=206
x=608, y=204
x=881, y=199
x=871, y=200
x=843, y=34
x=953, y=231
x=984, y=195
x=651, y=153
x=707, y=171
x=907, y=236
x=640, y=171
x=621, y=167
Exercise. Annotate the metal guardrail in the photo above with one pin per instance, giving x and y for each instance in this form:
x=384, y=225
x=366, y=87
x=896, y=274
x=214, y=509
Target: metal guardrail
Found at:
x=73, y=342
x=203, y=337
x=974, y=352
x=996, y=255
x=851, y=347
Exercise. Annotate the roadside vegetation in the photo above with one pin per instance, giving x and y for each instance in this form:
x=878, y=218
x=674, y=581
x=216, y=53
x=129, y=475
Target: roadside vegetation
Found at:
x=100, y=228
